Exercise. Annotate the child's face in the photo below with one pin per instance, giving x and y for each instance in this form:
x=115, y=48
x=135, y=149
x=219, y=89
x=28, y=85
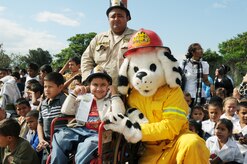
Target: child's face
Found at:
x=222, y=132
x=242, y=114
x=42, y=75
x=197, y=115
x=99, y=87
x=51, y=90
x=230, y=107
x=4, y=141
x=22, y=109
x=31, y=72
x=32, y=123
x=73, y=67
x=214, y=113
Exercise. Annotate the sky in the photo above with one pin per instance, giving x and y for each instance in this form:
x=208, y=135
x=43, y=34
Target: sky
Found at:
x=48, y=24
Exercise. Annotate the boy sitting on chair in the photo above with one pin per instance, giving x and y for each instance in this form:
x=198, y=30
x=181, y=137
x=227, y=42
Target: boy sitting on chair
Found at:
x=89, y=109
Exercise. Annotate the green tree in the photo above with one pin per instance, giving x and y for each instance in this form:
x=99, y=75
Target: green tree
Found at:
x=213, y=59
x=77, y=46
x=39, y=56
x=234, y=53
x=17, y=60
x=4, y=58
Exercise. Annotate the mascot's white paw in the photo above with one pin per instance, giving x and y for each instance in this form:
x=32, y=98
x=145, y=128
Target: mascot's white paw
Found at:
x=136, y=115
x=122, y=124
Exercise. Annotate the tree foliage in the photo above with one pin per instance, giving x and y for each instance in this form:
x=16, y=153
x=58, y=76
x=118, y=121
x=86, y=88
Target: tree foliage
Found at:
x=234, y=52
x=39, y=56
x=213, y=59
x=77, y=46
x=4, y=58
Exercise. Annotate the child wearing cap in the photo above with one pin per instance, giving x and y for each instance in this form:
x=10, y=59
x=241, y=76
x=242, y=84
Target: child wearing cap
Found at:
x=87, y=107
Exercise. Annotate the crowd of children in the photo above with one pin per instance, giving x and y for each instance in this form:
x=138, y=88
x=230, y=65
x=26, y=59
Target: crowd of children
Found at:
x=44, y=99
x=222, y=121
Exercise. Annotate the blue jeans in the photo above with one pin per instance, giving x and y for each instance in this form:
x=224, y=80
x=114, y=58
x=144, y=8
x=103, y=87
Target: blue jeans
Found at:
x=80, y=140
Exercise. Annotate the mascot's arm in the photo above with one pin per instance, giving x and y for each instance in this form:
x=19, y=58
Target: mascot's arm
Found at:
x=117, y=105
x=168, y=118
x=171, y=125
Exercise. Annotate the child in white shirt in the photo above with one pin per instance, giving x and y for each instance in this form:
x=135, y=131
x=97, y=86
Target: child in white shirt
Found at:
x=240, y=127
x=214, y=113
x=230, y=108
x=221, y=146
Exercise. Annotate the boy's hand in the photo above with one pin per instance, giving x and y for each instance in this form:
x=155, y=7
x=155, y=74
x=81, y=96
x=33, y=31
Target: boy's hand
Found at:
x=80, y=89
x=42, y=145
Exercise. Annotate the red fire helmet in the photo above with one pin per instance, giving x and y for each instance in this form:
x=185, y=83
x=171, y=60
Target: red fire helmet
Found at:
x=141, y=39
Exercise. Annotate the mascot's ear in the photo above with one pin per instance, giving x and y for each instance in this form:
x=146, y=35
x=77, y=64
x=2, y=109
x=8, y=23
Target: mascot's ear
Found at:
x=123, y=81
x=170, y=67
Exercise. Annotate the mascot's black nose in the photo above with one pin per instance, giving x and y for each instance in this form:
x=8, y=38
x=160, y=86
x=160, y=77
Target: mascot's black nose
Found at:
x=140, y=75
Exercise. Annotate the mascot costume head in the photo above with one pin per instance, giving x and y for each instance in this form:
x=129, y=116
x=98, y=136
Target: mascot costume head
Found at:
x=150, y=77
x=148, y=65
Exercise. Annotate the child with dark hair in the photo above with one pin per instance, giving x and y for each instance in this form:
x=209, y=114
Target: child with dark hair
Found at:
x=196, y=126
x=222, y=147
x=32, y=73
x=32, y=123
x=14, y=149
x=215, y=109
x=240, y=127
x=35, y=91
x=22, y=108
x=73, y=65
x=221, y=92
x=197, y=113
x=28, y=84
x=89, y=109
x=50, y=107
x=43, y=71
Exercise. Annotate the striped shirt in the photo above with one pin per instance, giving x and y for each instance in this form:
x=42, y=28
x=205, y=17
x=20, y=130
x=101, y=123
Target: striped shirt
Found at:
x=49, y=110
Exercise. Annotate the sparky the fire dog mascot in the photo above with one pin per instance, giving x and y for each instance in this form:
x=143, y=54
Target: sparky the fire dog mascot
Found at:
x=157, y=114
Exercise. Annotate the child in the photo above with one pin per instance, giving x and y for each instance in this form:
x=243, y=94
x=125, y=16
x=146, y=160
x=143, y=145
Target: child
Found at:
x=222, y=147
x=22, y=108
x=230, y=107
x=32, y=73
x=188, y=99
x=73, y=65
x=214, y=112
x=43, y=71
x=35, y=90
x=197, y=113
x=221, y=92
x=93, y=108
x=50, y=107
x=196, y=127
x=240, y=127
x=32, y=136
x=14, y=149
